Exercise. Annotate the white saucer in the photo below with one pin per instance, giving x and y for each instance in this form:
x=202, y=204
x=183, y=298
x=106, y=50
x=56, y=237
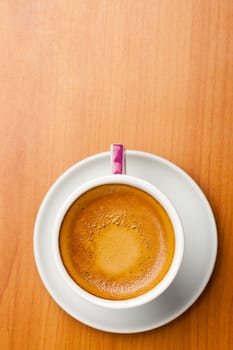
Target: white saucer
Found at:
x=200, y=244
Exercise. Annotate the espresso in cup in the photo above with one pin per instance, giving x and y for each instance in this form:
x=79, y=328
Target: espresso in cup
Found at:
x=116, y=241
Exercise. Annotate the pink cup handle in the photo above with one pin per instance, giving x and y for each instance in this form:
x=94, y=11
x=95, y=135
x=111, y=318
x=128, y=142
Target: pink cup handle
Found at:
x=117, y=158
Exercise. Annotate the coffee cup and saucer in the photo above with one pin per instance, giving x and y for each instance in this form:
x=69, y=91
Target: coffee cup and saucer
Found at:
x=125, y=253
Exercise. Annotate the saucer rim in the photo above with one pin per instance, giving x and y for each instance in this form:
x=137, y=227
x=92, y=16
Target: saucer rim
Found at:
x=201, y=286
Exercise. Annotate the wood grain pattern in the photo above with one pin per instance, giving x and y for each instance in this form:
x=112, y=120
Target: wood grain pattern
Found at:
x=76, y=76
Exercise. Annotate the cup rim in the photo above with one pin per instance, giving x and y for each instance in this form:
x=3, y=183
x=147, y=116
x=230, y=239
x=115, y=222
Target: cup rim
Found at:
x=178, y=231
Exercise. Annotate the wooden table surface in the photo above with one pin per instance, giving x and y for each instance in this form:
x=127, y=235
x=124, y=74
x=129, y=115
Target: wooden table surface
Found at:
x=76, y=76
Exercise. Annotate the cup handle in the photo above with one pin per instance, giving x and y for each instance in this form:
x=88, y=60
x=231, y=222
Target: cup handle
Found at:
x=117, y=158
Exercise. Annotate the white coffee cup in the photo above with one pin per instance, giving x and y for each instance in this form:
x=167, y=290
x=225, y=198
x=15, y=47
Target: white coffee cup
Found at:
x=178, y=252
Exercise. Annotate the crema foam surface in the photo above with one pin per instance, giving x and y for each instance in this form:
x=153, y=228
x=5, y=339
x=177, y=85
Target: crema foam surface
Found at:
x=116, y=241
